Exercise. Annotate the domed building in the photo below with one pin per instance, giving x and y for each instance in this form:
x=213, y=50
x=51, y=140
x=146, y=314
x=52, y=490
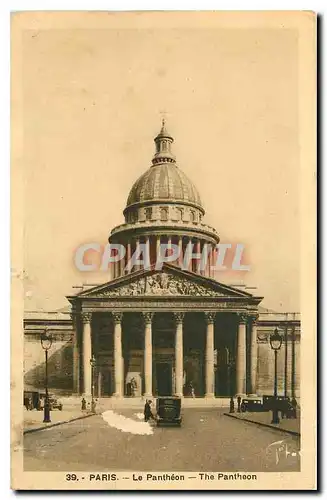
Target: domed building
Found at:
x=163, y=330
x=164, y=206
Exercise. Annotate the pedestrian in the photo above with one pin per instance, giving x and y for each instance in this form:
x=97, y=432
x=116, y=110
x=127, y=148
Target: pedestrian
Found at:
x=192, y=391
x=83, y=404
x=147, y=411
x=26, y=403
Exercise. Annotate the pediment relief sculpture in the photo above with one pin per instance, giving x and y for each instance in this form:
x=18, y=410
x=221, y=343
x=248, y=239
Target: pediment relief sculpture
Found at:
x=160, y=284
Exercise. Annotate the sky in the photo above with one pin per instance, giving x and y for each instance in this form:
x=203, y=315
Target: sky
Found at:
x=93, y=100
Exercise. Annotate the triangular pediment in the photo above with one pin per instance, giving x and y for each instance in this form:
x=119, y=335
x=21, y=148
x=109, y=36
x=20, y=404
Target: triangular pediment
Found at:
x=170, y=281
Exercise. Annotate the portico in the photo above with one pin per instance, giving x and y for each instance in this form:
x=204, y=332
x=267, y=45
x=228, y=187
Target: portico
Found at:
x=167, y=330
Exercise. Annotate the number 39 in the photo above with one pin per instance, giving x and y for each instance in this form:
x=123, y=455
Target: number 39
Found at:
x=71, y=477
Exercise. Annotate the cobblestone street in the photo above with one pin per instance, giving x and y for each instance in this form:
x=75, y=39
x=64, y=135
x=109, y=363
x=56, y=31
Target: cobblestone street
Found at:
x=207, y=441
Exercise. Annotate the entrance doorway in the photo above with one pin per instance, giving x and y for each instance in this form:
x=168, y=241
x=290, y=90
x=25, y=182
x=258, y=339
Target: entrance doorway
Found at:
x=164, y=379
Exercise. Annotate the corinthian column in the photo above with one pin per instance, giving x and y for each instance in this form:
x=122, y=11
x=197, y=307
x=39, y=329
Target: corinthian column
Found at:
x=209, y=357
x=87, y=353
x=254, y=355
x=118, y=357
x=241, y=356
x=148, y=354
x=76, y=353
x=179, y=317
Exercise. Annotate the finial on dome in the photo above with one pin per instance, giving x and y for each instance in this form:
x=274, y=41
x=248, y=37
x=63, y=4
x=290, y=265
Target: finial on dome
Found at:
x=163, y=146
x=163, y=125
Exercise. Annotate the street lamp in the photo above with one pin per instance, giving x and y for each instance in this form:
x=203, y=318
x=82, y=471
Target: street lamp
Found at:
x=275, y=343
x=46, y=342
x=230, y=363
x=92, y=363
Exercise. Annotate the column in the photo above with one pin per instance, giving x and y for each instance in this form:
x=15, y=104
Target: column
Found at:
x=209, y=262
x=148, y=354
x=179, y=360
x=122, y=264
x=118, y=268
x=180, y=253
x=115, y=269
x=209, y=356
x=137, y=250
x=189, y=250
x=213, y=260
x=87, y=353
x=286, y=360
x=128, y=259
x=169, y=246
x=157, y=248
x=198, y=251
x=253, y=355
x=112, y=267
x=118, y=356
x=76, y=354
x=241, y=356
x=147, y=258
x=293, y=362
x=204, y=259
x=99, y=385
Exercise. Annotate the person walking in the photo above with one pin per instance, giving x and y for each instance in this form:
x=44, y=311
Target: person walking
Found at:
x=192, y=390
x=147, y=411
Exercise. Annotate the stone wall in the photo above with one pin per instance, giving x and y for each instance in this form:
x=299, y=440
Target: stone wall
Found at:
x=60, y=364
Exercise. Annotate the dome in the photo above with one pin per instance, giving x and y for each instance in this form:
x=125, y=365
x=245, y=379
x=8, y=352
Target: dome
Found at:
x=164, y=182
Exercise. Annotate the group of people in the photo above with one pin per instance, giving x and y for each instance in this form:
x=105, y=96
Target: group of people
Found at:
x=87, y=406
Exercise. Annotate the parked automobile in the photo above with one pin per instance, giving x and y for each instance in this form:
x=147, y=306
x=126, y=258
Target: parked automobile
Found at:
x=169, y=410
x=268, y=402
x=251, y=404
x=281, y=403
x=55, y=404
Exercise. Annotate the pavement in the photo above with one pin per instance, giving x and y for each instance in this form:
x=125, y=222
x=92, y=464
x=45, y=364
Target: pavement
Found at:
x=289, y=425
x=207, y=441
x=33, y=419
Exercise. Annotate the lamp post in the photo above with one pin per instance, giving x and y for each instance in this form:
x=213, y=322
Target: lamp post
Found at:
x=46, y=342
x=275, y=344
x=229, y=361
x=92, y=363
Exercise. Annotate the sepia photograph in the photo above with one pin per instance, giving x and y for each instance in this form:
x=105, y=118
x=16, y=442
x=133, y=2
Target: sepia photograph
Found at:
x=163, y=250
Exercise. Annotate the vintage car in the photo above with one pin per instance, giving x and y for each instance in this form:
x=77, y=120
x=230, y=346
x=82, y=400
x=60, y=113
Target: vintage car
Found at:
x=251, y=404
x=55, y=404
x=169, y=410
x=280, y=403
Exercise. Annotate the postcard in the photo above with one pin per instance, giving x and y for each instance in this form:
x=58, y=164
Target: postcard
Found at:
x=163, y=250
